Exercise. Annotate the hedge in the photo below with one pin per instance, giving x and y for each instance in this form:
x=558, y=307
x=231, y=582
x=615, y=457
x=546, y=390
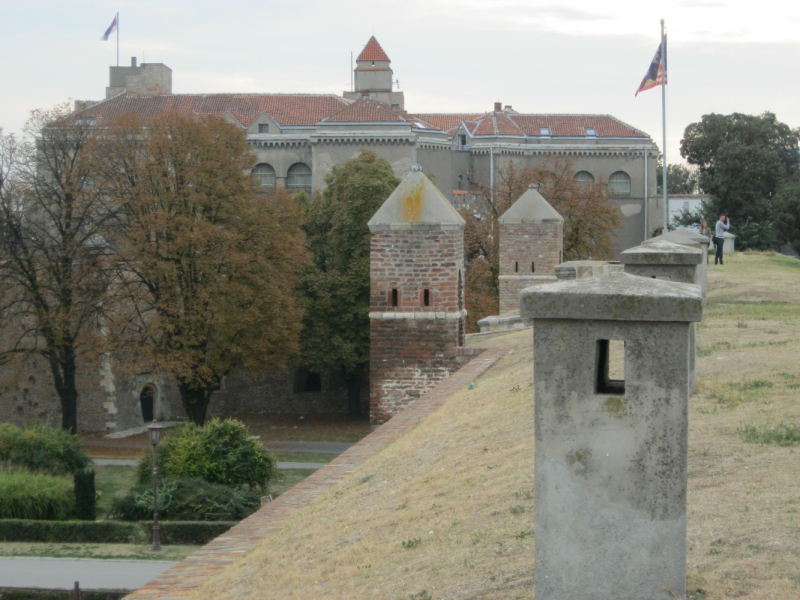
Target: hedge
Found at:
x=111, y=532
x=37, y=594
x=41, y=448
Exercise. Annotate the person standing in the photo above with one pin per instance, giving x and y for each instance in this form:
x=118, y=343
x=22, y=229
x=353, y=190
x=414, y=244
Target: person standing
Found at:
x=706, y=231
x=722, y=226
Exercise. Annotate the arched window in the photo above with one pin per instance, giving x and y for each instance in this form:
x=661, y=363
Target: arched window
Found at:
x=299, y=178
x=620, y=183
x=584, y=178
x=265, y=174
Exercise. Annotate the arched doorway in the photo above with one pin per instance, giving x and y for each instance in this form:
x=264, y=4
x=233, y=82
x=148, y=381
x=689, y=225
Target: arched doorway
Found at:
x=147, y=401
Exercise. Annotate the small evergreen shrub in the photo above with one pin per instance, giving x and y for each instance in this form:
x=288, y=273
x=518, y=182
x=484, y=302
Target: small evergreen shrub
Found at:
x=41, y=448
x=221, y=452
x=85, y=495
x=25, y=495
x=187, y=500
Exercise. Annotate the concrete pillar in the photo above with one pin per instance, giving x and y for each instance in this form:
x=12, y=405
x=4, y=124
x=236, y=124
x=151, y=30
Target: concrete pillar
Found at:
x=670, y=262
x=581, y=269
x=416, y=294
x=611, y=454
x=687, y=237
x=531, y=245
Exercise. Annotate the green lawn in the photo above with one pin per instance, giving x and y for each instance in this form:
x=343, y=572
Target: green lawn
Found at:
x=286, y=480
x=111, y=482
x=312, y=457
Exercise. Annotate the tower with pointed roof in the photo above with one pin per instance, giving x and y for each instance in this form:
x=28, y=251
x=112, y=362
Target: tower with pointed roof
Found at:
x=417, y=294
x=531, y=246
x=372, y=77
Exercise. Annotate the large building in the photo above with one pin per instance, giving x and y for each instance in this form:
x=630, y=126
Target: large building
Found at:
x=298, y=138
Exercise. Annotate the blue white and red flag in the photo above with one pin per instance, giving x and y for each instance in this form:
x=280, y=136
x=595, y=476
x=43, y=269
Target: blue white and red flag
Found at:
x=111, y=29
x=657, y=72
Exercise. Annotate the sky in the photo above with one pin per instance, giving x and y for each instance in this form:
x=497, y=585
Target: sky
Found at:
x=539, y=56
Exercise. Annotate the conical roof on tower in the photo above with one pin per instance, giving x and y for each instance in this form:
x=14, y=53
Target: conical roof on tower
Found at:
x=416, y=203
x=531, y=206
x=373, y=51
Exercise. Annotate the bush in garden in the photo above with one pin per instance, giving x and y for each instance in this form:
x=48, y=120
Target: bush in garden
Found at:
x=25, y=495
x=85, y=495
x=186, y=500
x=221, y=452
x=41, y=448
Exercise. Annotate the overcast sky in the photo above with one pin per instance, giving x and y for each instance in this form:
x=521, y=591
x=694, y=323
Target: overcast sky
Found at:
x=548, y=56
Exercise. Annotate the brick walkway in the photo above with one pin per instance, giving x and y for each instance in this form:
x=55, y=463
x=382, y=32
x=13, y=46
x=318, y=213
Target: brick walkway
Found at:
x=188, y=575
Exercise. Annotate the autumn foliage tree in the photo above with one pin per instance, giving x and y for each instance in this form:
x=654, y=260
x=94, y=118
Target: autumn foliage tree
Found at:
x=591, y=222
x=209, y=265
x=54, y=268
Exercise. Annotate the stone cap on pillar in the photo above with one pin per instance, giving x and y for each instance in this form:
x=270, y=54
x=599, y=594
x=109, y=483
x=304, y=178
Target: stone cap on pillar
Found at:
x=685, y=237
x=531, y=206
x=614, y=297
x=661, y=253
x=416, y=204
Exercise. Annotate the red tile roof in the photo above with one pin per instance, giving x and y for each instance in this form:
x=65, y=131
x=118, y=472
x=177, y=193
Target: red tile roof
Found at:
x=285, y=109
x=373, y=51
x=365, y=111
x=520, y=125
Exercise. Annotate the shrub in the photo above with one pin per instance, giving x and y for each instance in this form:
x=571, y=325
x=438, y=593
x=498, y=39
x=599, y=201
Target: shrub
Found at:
x=220, y=452
x=85, y=495
x=35, y=496
x=186, y=500
x=110, y=532
x=41, y=448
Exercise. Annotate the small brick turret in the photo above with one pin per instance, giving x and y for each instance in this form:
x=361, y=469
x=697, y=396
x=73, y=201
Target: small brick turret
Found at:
x=417, y=294
x=531, y=243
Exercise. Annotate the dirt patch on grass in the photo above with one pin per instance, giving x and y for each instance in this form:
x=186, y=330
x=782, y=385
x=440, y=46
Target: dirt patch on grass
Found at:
x=447, y=511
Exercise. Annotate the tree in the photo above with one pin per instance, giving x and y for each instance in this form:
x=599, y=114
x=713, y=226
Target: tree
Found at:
x=54, y=267
x=209, y=266
x=680, y=179
x=337, y=288
x=742, y=161
x=590, y=225
x=787, y=214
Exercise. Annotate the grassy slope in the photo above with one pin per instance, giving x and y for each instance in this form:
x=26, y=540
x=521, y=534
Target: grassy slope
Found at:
x=446, y=512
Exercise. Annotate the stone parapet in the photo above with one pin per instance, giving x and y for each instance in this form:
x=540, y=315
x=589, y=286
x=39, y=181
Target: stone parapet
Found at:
x=581, y=269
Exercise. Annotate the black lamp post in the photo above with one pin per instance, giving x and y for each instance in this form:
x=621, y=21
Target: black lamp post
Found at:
x=155, y=437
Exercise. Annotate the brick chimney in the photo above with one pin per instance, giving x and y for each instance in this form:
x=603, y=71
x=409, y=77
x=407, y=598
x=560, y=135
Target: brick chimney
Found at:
x=498, y=106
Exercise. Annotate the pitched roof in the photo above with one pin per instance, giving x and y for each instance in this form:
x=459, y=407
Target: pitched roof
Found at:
x=373, y=51
x=285, y=109
x=416, y=201
x=521, y=125
x=365, y=111
x=531, y=206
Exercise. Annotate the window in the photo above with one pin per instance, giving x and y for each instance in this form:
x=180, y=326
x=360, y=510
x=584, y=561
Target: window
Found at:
x=516, y=267
x=533, y=267
x=462, y=140
x=263, y=128
x=394, y=299
x=591, y=132
x=426, y=297
x=620, y=183
x=610, y=367
x=584, y=178
x=266, y=174
x=544, y=131
x=299, y=178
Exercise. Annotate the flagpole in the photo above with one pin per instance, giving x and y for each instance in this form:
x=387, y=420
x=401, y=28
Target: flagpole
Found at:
x=664, y=124
x=662, y=23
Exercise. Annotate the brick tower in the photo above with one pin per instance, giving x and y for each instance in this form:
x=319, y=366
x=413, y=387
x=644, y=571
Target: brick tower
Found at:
x=531, y=243
x=417, y=294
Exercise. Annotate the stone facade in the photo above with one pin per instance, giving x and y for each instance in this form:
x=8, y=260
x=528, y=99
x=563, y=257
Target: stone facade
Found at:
x=417, y=295
x=611, y=454
x=531, y=246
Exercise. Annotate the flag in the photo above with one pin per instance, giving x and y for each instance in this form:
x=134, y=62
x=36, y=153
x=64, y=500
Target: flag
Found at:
x=653, y=78
x=110, y=30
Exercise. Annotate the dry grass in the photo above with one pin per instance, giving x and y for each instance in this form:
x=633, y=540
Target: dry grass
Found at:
x=447, y=511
